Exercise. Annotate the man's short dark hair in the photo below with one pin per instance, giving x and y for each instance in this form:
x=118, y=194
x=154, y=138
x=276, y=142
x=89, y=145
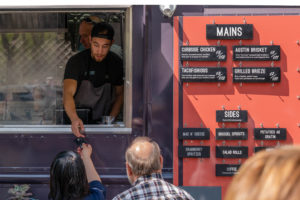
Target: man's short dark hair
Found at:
x=103, y=30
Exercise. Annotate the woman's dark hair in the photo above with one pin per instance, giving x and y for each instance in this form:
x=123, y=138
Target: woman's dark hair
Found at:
x=68, y=178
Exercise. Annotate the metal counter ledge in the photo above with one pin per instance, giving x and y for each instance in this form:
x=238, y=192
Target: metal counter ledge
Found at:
x=59, y=129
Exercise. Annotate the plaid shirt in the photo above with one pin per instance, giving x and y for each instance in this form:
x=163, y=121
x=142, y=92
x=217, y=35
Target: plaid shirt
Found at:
x=153, y=187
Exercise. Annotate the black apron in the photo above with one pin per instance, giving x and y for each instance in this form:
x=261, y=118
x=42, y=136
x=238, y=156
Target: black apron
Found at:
x=99, y=99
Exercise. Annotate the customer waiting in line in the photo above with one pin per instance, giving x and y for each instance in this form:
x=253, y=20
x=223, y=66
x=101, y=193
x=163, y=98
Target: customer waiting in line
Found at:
x=73, y=176
x=268, y=175
x=144, y=167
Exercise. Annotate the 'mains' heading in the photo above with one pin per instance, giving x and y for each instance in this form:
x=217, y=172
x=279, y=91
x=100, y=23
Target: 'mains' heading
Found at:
x=229, y=31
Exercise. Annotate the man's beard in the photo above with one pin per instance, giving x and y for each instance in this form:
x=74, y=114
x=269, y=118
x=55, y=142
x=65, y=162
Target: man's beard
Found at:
x=96, y=59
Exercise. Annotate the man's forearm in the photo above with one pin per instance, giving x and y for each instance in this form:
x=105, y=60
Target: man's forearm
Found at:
x=70, y=108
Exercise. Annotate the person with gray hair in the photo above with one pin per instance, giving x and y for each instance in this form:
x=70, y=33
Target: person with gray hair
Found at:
x=144, y=167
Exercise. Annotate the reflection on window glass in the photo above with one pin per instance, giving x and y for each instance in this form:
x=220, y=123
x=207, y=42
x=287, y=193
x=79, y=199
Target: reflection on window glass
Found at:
x=31, y=70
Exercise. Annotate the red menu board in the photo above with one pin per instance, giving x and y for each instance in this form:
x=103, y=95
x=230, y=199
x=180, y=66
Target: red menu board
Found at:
x=255, y=105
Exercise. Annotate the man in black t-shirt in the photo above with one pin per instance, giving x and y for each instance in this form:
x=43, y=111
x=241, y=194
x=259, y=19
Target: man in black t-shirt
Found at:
x=94, y=79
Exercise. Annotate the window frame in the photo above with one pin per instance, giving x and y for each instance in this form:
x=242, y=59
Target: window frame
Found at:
x=119, y=128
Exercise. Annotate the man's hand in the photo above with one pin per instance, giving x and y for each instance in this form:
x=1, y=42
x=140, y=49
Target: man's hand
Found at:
x=77, y=128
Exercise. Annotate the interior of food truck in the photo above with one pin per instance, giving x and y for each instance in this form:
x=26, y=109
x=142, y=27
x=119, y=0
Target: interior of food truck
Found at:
x=34, y=49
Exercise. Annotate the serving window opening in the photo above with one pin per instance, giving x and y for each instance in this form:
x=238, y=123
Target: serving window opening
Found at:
x=34, y=49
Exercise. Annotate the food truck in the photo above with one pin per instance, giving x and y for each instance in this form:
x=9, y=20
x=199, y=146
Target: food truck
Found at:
x=211, y=84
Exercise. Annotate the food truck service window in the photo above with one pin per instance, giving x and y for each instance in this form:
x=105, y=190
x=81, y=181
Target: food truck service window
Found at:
x=35, y=46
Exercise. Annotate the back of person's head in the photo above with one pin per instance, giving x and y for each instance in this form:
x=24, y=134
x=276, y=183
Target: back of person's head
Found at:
x=268, y=175
x=85, y=29
x=143, y=156
x=91, y=20
x=103, y=30
x=68, y=178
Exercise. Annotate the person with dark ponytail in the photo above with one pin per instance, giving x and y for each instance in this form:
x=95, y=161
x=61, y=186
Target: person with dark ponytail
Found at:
x=73, y=176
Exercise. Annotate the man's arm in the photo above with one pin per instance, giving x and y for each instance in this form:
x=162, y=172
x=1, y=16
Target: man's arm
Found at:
x=70, y=86
x=116, y=108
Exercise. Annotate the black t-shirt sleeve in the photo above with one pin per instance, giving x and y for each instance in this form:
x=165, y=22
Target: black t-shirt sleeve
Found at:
x=118, y=72
x=72, y=70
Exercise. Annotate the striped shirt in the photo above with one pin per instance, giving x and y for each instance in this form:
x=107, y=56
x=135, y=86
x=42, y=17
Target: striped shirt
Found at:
x=153, y=187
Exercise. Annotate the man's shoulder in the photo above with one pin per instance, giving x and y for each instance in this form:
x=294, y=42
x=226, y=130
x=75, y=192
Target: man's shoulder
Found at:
x=113, y=57
x=81, y=55
x=123, y=195
x=153, y=188
x=76, y=65
x=172, y=191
